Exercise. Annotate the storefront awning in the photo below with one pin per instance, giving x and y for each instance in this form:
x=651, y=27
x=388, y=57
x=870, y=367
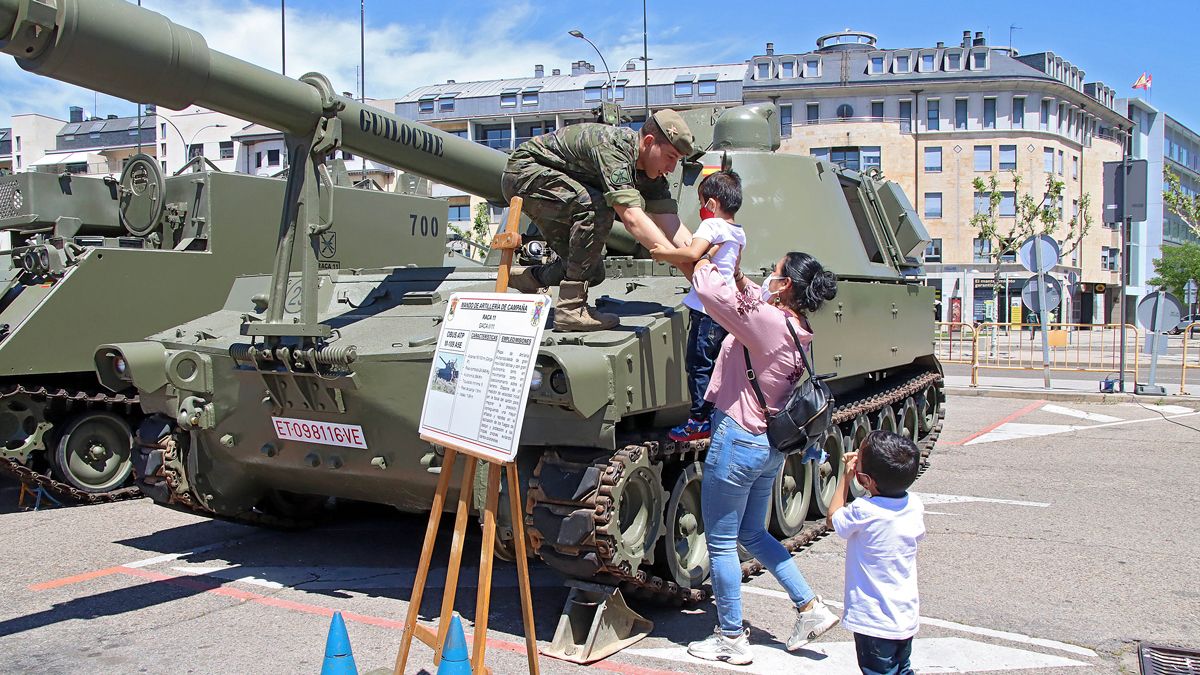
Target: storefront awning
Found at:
x=57, y=158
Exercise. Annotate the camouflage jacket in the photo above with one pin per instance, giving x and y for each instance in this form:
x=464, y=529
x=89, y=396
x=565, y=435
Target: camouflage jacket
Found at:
x=602, y=156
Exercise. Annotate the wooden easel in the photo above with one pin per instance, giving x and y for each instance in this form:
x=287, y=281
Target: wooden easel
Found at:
x=507, y=241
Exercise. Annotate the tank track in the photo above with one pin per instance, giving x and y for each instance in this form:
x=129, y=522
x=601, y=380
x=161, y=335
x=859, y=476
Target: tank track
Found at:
x=570, y=508
x=72, y=398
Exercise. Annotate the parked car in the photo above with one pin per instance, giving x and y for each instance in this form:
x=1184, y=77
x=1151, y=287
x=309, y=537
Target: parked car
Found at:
x=1184, y=323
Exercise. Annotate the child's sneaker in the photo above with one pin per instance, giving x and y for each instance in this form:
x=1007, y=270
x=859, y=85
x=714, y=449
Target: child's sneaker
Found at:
x=811, y=624
x=691, y=430
x=718, y=647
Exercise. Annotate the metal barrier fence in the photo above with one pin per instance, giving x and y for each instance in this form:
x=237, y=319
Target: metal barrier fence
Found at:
x=1185, y=367
x=955, y=342
x=1073, y=347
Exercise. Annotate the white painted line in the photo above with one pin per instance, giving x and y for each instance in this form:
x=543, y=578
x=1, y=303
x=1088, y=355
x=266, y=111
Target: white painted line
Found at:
x=1016, y=430
x=941, y=513
x=168, y=557
x=953, y=625
x=929, y=655
x=928, y=498
x=1081, y=414
x=1168, y=409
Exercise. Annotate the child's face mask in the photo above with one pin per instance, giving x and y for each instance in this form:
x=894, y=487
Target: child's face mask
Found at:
x=705, y=212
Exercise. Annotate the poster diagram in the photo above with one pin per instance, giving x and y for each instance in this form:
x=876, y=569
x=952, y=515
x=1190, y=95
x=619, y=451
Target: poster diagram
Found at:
x=479, y=380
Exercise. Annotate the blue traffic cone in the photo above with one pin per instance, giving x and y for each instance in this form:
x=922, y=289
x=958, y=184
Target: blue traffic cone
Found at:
x=338, y=658
x=455, y=660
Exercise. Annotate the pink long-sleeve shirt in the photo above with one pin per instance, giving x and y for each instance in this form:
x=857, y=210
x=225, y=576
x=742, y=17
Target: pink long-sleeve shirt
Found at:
x=762, y=328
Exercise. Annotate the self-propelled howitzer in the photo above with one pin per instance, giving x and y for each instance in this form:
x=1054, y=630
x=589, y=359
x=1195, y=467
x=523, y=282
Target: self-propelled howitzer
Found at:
x=608, y=497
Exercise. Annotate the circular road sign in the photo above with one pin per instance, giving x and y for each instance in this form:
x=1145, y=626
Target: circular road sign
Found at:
x=1046, y=246
x=1159, y=311
x=1029, y=294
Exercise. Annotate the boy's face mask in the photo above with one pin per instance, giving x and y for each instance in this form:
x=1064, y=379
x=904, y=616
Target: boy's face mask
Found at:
x=705, y=212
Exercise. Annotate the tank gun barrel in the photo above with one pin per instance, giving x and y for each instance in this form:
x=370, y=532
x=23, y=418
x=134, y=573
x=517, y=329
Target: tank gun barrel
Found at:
x=133, y=53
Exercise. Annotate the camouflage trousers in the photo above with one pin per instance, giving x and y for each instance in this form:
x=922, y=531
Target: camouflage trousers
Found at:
x=571, y=215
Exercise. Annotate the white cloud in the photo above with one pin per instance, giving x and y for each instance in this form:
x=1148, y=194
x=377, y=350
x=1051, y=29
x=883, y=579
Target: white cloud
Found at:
x=400, y=57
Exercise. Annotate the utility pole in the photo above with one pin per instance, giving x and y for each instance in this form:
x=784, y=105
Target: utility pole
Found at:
x=645, y=62
x=362, y=68
x=283, y=37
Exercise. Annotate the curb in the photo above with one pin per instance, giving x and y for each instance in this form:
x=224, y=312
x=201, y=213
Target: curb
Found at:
x=1067, y=396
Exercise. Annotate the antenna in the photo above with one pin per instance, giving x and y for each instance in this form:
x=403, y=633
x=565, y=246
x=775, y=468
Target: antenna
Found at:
x=1011, y=28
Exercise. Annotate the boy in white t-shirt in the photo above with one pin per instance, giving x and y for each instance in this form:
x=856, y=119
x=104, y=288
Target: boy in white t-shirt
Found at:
x=881, y=533
x=720, y=199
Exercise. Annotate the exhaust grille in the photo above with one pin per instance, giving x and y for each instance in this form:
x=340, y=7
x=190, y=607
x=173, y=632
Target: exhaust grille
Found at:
x=8, y=208
x=1163, y=660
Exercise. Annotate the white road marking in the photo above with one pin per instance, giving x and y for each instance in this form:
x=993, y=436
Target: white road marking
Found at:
x=931, y=498
x=1083, y=415
x=1168, y=409
x=941, y=513
x=952, y=625
x=929, y=655
x=356, y=578
x=1016, y=430
x=168, y=557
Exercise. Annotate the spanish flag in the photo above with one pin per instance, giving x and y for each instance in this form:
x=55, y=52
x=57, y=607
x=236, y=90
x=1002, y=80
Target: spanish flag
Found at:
x=1143, y=82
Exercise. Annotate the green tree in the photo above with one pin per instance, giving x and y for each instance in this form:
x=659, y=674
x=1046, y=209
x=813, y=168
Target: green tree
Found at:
x=1186, y=206
x=1005, y=234
x=1177, y=266
x=479, y=233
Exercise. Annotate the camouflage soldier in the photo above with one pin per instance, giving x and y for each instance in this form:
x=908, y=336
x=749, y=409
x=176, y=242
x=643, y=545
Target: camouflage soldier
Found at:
x=574, y=181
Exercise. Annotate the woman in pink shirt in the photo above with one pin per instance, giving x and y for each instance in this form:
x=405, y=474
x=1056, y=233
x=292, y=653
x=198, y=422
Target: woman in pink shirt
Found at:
x=741, y=465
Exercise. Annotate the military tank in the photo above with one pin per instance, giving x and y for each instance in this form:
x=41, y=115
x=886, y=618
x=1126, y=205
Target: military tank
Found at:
x=608, y=497
x=127, y=257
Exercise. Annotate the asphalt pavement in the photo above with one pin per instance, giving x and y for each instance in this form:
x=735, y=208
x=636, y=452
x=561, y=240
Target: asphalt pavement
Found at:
x=1059, y=535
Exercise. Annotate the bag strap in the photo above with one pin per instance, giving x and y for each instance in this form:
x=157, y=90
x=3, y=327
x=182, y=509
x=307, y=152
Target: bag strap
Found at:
x=762, y=400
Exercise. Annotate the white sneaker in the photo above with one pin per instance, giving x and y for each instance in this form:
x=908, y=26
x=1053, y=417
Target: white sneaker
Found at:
x=718, y=647
x=811, y=624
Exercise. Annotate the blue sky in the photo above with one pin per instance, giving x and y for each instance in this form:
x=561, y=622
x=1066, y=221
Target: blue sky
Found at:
x=412, y=44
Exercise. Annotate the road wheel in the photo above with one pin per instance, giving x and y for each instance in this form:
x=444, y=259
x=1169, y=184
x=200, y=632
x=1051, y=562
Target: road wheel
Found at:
x=93, y=453
x=884, y=419
x=828, y=472
x=304, y=509
x=929, y=404
x=791, y=496
x=638, y=502
x=859, y=428
x=23, y=425
x=909, y=424
x=682, y=551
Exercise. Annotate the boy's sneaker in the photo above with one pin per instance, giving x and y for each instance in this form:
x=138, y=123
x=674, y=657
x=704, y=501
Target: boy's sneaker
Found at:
x=811, y=624
x=691, y=430
x=718, y=647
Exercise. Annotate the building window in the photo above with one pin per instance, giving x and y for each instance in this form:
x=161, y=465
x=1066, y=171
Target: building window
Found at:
x=928, y=63
x=162, y=129
x=877, y=110
x=933, y=205
x=876, y=65
x=272, y=158
x=162, y=151
x=1048, y=160
x=1044, y=117
x=258, y=160
x=954, y=61
x=785, y=120
x=982, y=250
x=933, y=159
x=425, y=103
x=1110, y=258
x=983, y=158
x=933, y=252
x=446, y=104
x=1008, y=158
x=460, y=213
x=1062, y=116
x=618, y=91
x=1018, y=112
x=707, y=87
x=960, y=114
x=812, y=113
x=1008, y=204
x=1059, y=163
x=871, y=157
x=764, y=71
x=979, y=61
x=989, y=113
x=900, y=63
x=529, y=98
x=195, y=150
x=845, y=111
x=812, y=68
x=498, y=139
x=1075, y=167
x=683, y=88
x=787, y=69
x=509, y=99
x=226, y=149
x=982, y=203
x=933, y=111
x=853, y=158
x=906, y=116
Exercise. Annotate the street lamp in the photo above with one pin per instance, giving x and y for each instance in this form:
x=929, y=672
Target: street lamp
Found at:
x=186, y=144
x=581, y=36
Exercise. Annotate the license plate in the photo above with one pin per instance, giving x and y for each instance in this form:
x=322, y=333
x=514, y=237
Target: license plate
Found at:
x=324, y=433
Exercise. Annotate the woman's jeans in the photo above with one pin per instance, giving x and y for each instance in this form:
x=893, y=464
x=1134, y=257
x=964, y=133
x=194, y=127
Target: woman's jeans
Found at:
x=735, y=495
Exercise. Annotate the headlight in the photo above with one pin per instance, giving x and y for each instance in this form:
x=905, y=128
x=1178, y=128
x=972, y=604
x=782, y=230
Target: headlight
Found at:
x=536, y=382
x=558, y=381
x=120, y=366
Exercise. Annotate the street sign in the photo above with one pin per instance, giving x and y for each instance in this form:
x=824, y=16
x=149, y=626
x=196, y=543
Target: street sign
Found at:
x=1039, y=254
x=1189, y=292
x=1030, y=295
x=1073, y=281
x=1122, y=182
x=1159, y=311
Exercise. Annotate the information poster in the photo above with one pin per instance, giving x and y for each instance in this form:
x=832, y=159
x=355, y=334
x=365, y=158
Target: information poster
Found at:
x=479, y=381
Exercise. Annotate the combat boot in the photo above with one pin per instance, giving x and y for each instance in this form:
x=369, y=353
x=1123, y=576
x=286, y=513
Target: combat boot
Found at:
x=572, y=313
x=524, y=280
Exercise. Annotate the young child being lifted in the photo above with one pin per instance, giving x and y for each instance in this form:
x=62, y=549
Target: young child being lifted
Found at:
x=720, y=199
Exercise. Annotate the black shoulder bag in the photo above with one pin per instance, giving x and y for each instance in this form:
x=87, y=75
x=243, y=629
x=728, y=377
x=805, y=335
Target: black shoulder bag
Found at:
x=805, y=415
